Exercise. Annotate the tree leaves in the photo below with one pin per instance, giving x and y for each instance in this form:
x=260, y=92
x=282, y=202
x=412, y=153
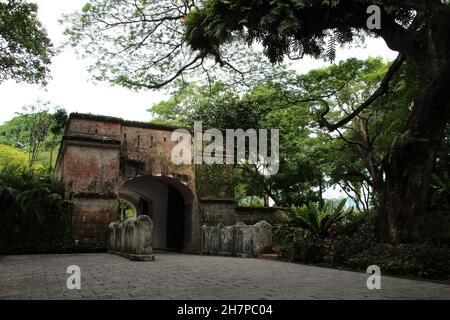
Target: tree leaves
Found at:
x=318, y=221
x=144, y=45
x=25, y=49
x=31, y=201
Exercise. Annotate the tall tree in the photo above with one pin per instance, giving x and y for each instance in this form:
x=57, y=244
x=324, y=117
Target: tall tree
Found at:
x=35, y=131
x=25, y=49
x=418, y=30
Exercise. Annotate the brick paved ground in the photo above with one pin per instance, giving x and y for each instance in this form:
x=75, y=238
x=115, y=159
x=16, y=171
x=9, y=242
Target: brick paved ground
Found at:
x=181, y=276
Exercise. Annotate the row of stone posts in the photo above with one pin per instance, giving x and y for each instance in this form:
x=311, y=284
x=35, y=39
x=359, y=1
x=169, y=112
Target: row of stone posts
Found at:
x=132, y=238
x=237, y=240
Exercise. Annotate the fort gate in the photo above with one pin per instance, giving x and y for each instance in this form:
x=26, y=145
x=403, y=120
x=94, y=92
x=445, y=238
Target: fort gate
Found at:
x=104, y=159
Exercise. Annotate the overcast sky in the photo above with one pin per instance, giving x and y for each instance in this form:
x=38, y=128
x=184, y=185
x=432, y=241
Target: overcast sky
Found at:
x=72, y=89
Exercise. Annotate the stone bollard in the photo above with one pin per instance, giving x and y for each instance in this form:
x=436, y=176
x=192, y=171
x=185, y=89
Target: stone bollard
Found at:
x=210, y=239
x=130, y=241
x=143, y=235
x=237, y=240
x=226, y=241
x=121, y=227
x=132, y=238
x=263, y=241
x=248, y=240
x=111, y=237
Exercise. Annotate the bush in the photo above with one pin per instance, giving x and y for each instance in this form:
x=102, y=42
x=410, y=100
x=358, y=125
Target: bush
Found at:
x=429, y=259
x=34, y=216
x=313, y=221
x=355, y=245
x=10, y=156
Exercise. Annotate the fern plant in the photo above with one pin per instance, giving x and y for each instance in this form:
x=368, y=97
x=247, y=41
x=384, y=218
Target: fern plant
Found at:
x=317, y=221
x=31, y=205
x=331, y=48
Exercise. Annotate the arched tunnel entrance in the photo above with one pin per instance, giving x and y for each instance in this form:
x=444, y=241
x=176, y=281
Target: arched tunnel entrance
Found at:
x=168, y=202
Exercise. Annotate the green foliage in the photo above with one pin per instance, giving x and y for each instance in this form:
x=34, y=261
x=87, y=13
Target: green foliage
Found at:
x=358, y=250
x=425, y=260
x=141, y=44
x=33, y=212
x=217, y=106
x=289, y=28
x=10, y=156
x=26, y=49
x=355, y=245
x=214, y=181
x=126, y=210
x=440, y=184
x=37, y=132
x=316, y=221
x=311, y=160
x=15, y=133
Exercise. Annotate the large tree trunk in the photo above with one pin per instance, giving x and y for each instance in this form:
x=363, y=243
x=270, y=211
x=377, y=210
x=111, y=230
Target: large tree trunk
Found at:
x=409, y=166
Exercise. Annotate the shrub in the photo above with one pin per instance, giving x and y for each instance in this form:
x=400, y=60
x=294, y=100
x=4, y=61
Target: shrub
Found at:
x=318, y=222
x=34, y=216
x=303, y=232
x=429, y=259
x=10, y=156
x=354, y=244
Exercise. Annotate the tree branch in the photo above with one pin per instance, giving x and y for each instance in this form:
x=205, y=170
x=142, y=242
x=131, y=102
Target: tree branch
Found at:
x=382, y=90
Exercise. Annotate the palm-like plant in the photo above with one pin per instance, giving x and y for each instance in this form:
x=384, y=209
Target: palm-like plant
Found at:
x=31, y=203
x=317, y=221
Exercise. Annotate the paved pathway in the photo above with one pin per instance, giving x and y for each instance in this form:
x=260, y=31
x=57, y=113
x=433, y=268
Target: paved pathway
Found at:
x=182, y=276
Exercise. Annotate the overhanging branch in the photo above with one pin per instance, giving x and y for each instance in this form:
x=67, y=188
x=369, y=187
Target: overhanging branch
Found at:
x=382, y=90
x=159, y=85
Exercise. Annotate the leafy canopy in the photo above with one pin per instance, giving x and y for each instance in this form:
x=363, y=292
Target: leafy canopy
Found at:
x=25, y=49
x=141, y=44
x=297, y=27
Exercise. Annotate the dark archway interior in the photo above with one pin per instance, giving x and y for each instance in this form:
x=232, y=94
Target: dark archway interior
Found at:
x=143, y=208
x=175, y=219
x=168, y=202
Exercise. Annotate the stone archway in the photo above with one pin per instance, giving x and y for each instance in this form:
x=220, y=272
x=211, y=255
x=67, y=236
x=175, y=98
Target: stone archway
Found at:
x=168, y=202
x=103, y=159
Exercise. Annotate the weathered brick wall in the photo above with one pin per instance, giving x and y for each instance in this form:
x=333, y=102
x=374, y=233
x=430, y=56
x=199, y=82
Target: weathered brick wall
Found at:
x=91, y=181
x=251, y=215
x=98, y=154
x=91, y=169
x=215, y=211
x=92, y=216
x=147, y=151
x=95, y=128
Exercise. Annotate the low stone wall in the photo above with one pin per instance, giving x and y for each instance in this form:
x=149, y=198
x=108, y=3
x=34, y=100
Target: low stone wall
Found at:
x=132, y=238
x=237, y=240
x=215, y=211
x=252, y=215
